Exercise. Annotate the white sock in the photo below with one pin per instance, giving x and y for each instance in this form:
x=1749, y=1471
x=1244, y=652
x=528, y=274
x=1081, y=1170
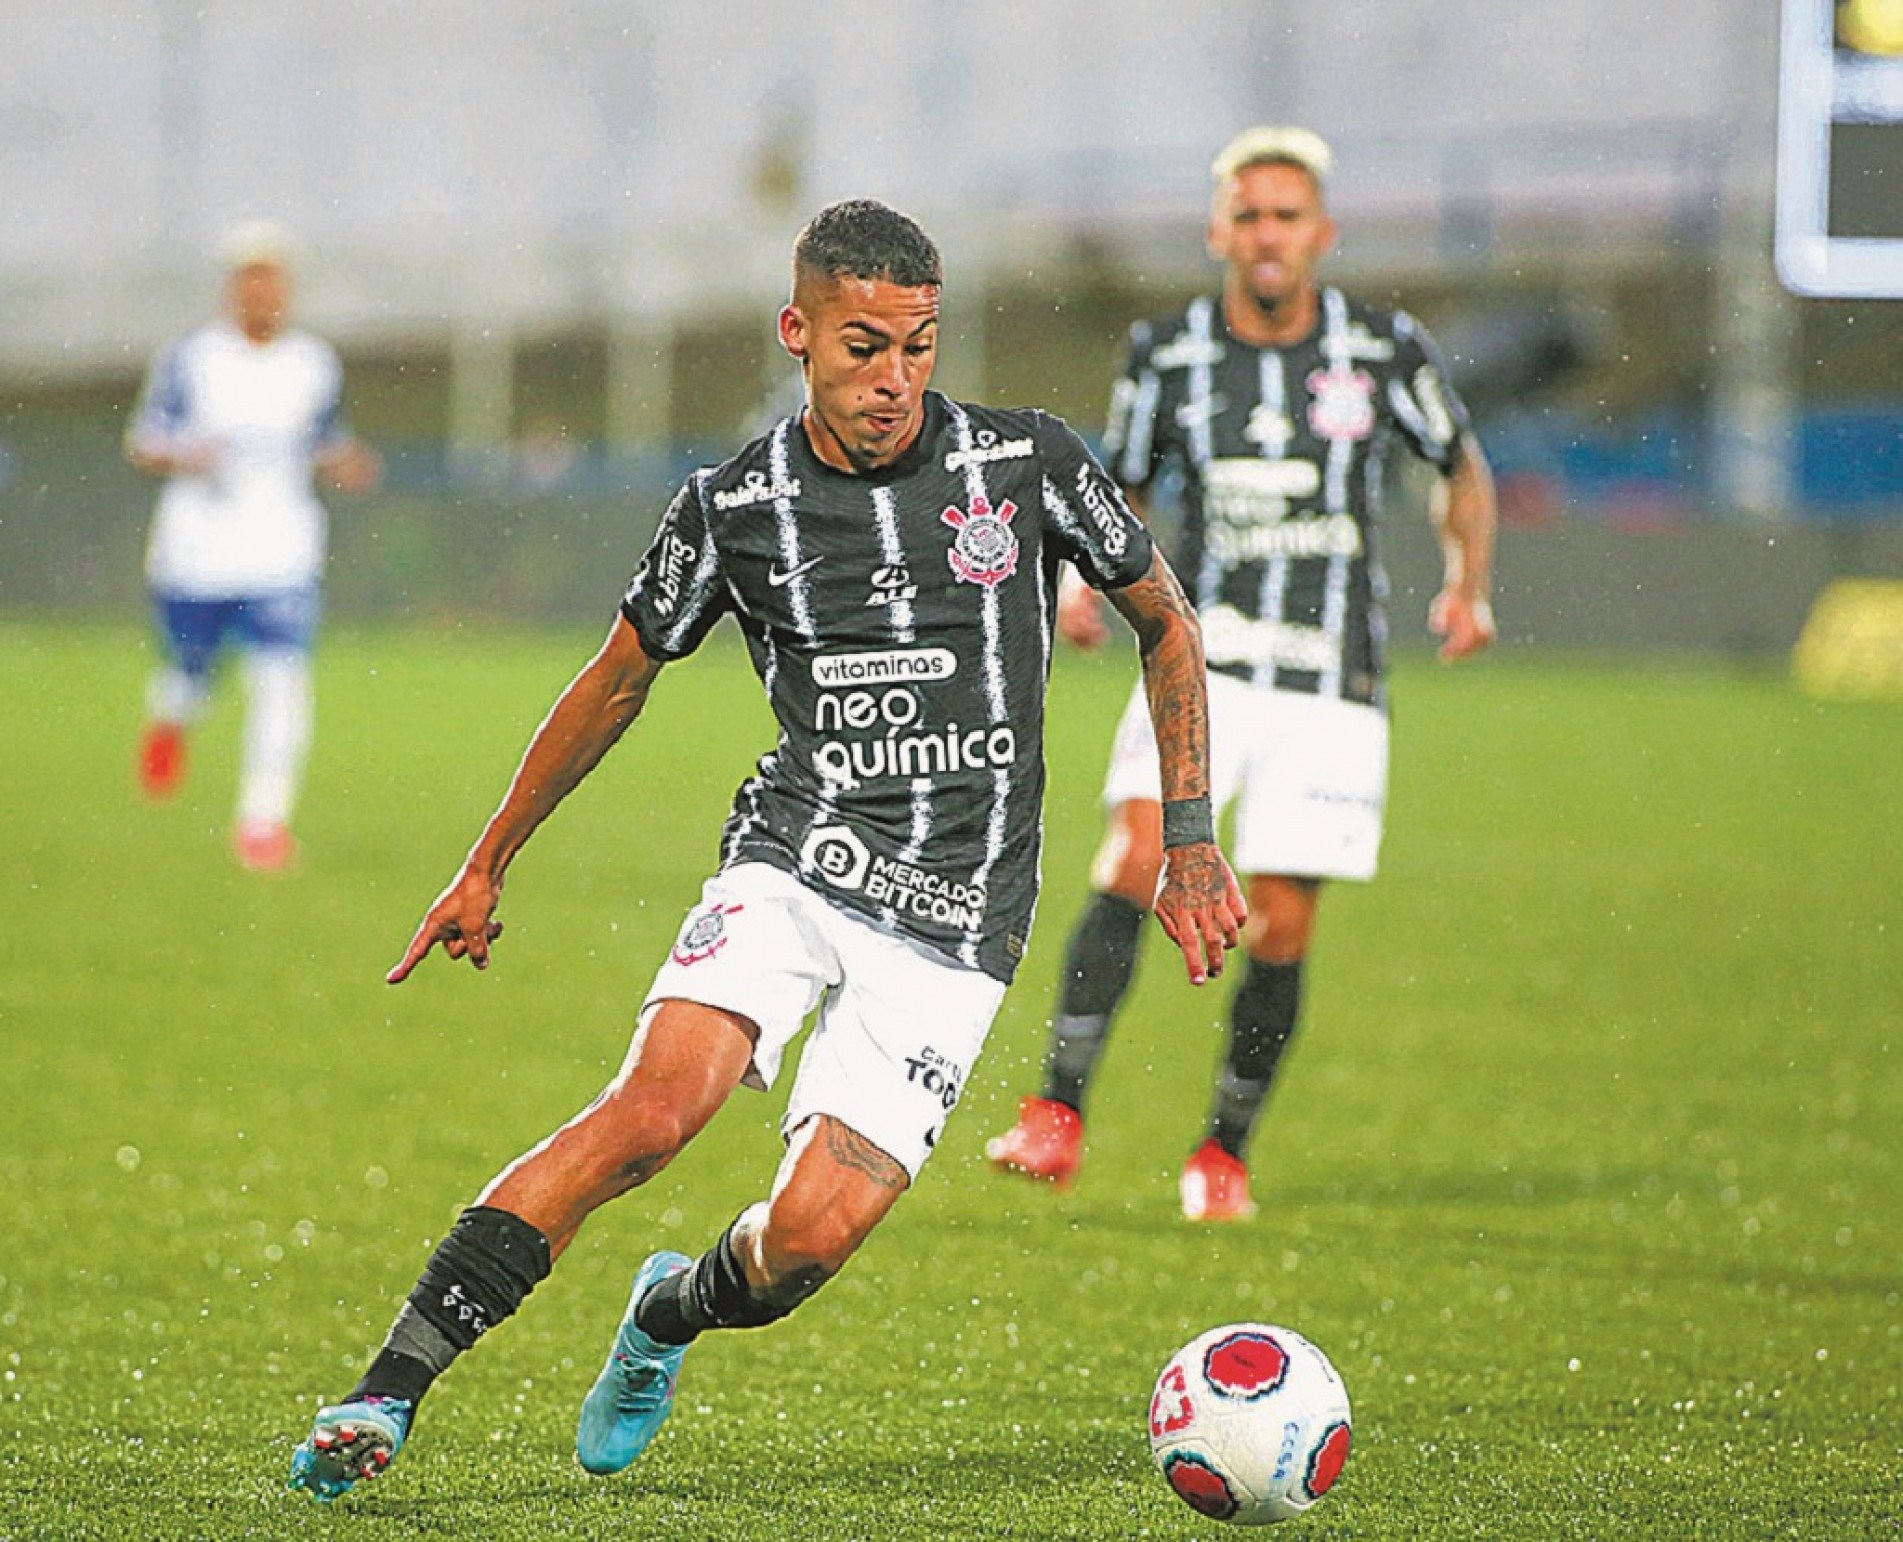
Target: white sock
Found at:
x=277, y=733
x=174, y=697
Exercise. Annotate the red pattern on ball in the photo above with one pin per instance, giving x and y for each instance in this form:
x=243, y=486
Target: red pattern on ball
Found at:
x=1202, y=1488
x=1326, y=1464
x=1246, y=1365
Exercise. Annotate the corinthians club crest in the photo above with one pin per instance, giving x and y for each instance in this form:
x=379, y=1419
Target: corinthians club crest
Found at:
x=1341, y=402
x=705, y=934
x=986, y=550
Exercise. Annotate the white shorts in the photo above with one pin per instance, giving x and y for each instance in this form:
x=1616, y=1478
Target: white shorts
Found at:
x=899, y=1029
x=1308, y=774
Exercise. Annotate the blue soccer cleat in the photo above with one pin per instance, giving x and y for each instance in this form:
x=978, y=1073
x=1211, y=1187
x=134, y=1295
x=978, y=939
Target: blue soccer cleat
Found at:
x=349, y=1441
x=634, y=1393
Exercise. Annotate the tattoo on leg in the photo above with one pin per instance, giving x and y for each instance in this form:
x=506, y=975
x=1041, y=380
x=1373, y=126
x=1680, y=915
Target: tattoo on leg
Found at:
x=851, y=1149
x=636, y=1171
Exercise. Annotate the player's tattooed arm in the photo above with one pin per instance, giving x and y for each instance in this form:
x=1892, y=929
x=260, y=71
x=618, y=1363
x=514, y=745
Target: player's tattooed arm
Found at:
x=1171, y=644
x=1198, y=900
x=583, y=725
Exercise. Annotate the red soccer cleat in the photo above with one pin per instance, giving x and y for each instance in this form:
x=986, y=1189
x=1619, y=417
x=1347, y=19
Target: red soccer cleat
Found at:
x=1047, y=1142
x=1215, y=1186
x=162, y=759
x=265, y=848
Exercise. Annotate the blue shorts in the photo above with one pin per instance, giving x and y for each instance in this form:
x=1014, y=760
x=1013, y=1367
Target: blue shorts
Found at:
x=197, y=631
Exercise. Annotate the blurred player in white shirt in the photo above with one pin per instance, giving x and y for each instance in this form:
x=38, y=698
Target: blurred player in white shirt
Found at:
x=238, y=418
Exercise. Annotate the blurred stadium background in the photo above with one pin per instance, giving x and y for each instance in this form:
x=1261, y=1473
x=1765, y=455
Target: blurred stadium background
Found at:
x=1600, y=1245
x=550, y=240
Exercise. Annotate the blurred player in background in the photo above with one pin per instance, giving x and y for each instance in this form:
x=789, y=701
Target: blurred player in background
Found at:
x=892, y=559
x=1277, y=402
x=238, y=418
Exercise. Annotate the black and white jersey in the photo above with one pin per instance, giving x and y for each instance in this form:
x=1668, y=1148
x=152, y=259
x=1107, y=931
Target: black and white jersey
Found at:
x=1282, y=454
x=901, y=624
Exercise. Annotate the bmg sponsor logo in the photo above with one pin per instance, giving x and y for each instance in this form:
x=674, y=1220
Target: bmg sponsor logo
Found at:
x=1427, y=391
x=665, y=571
x=1102, y=504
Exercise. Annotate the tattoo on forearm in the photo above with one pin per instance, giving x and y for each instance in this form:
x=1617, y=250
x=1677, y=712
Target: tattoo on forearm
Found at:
x=851, y=1149
x=1171, y=644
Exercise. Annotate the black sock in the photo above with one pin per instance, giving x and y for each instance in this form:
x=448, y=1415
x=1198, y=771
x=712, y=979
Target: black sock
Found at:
x=1261, y=1023
x=714, y=1292
x=478, y=1275
x=1099, y=963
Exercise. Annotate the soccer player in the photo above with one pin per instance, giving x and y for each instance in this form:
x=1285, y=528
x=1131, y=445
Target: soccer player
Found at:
x=891, y=557
x=238, y=417
x=1278, y=403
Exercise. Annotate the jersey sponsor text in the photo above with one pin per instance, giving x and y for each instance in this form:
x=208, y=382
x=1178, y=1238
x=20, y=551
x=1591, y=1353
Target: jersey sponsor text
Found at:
x=1229, y=637
x=838, y=671
x=756, y=487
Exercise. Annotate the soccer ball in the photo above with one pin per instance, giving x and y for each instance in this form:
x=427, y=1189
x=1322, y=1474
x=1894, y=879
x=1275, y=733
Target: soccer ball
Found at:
x=1249, y=1423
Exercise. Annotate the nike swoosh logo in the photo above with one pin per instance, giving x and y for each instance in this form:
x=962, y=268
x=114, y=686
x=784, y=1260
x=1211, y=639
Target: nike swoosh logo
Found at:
x=779, y=580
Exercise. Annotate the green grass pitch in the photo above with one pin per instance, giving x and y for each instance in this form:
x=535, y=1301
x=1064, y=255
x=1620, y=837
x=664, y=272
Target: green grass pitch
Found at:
x=1585, y=1170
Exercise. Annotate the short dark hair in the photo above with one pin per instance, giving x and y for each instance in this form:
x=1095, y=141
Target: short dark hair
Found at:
x=863, y=238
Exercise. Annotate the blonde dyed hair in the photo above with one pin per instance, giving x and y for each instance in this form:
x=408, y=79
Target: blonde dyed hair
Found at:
x=1273, y=145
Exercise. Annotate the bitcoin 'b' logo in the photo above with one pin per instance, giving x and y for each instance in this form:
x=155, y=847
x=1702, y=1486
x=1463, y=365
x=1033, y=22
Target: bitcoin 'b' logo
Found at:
x=837, y=854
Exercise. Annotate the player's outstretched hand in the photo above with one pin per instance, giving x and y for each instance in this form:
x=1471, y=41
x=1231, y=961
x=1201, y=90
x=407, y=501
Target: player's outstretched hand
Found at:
x=1200, y=906
x=1465, y=624
x=462, y=920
